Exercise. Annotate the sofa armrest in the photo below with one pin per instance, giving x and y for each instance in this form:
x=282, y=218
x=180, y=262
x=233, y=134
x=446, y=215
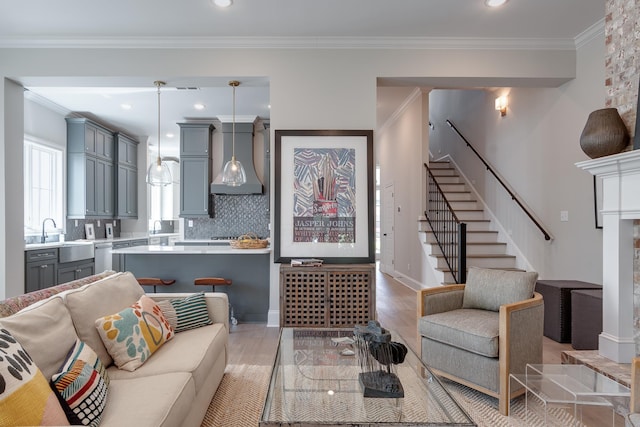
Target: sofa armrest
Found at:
x=217, y=304
x=439, y=299
x=520, y=339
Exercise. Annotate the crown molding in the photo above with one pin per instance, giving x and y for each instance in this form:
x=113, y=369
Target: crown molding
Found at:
x=401, y=109
x=287, y=43
x=38, y=99
x=593, y=32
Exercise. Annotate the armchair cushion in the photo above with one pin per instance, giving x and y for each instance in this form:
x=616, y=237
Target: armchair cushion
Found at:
x=488, y=289
x=473, y=330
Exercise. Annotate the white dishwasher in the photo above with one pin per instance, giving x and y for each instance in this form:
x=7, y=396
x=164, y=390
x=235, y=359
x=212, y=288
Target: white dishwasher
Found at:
x=102, y=253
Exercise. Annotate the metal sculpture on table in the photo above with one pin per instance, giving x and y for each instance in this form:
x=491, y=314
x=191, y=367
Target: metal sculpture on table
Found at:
x=377, y=355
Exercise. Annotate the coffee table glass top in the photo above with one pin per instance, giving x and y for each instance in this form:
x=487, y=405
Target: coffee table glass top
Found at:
x=315, y=382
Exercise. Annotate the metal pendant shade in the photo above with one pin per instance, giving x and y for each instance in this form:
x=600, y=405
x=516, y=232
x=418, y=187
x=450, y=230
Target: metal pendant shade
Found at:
x=158, y=173
x=233, y=173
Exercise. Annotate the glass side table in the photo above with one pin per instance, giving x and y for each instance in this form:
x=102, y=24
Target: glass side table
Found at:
x=570, y=385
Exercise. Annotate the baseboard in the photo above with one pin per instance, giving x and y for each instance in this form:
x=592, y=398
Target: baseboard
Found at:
x=273, y=319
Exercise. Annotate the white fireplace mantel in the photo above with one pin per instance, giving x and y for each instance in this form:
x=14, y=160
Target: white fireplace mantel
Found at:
x=620, y=174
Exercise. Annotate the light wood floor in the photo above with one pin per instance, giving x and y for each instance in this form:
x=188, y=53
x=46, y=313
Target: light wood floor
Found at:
x=396, y=307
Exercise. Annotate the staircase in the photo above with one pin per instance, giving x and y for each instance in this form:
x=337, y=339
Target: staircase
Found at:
x=483, y=248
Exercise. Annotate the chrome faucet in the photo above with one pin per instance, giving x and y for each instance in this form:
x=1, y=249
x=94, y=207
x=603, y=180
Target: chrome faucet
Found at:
x=43, y=239
x=154, y=226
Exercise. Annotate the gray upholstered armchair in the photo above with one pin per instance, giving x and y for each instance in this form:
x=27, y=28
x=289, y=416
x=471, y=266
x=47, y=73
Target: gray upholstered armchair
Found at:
x=479, y=333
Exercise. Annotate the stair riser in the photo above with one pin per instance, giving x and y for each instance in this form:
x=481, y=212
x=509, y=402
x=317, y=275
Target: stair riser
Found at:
x=453, y=197
x=471, y=237
x=482, y=262
x=469, y=215
x=453, y=179
x=457, y=205
x=483, y=249
x=443, y=172
x=452, y=187
x=440, y=165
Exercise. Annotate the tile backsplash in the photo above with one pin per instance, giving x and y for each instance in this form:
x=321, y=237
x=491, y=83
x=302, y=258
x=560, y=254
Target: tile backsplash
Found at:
x=233, y=216
x=77, y=232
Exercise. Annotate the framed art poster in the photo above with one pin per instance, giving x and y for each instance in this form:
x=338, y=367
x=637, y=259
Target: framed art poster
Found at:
x=324, y=195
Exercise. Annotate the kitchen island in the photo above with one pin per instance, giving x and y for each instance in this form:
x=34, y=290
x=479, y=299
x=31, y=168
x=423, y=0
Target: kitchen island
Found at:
x=247, y=268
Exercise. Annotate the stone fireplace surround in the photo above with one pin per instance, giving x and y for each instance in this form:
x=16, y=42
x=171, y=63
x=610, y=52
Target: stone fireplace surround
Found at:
x=620, y=175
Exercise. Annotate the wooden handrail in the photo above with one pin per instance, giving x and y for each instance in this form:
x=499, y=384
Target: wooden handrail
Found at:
x=515, y=198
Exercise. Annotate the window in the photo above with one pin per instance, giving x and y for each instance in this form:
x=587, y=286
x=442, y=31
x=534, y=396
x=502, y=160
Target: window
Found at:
x=43, y=185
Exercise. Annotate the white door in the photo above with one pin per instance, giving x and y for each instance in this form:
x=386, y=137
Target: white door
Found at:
x=386, y=238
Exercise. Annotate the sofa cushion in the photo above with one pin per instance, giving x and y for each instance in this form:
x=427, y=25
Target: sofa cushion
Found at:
x=473, y=330
x=82, y=384
x=154, y=401
x=194, y=352
x=100, y=299
x=132, y=335
x=46, y=331
x=25, y=396
x=488, y=289
x=190, y=312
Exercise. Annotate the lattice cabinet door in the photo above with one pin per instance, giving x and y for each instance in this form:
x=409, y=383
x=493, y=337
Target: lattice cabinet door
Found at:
x=327, y=296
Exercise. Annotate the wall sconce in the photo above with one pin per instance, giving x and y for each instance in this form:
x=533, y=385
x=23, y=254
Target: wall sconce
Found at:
x=501, y=105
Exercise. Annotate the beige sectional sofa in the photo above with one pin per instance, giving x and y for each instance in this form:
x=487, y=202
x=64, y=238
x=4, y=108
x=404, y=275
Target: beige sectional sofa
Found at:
x=172, y=388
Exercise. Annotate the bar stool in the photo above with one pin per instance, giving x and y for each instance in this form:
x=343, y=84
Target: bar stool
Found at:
x=213, y=282
x=154, y=281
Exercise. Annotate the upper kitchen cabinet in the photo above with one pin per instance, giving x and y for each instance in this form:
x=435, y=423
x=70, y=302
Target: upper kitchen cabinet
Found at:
x=90, y=170
x=126, y=176
x=195, y=169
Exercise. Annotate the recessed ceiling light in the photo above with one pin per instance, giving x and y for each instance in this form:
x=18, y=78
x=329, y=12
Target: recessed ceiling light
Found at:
x=170, y=135
x=198, y=106
x=125, y=106
x=494, y=3
x=223, y=3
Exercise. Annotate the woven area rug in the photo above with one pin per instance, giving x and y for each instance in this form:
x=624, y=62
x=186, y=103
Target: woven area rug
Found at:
x=241, y=395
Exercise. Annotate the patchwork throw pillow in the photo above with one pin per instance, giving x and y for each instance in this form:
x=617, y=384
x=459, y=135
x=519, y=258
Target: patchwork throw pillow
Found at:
x=488, y=289
x=25, y=396
x=135, y=333
x=189, y=312
x=82, y=384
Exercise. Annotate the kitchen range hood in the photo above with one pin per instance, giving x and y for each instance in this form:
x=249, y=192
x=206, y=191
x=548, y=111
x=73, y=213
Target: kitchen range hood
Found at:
x=243, y=153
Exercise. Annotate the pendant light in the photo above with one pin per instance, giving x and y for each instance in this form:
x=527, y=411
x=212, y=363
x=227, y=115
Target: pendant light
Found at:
x=158, y=173
x=233, y=173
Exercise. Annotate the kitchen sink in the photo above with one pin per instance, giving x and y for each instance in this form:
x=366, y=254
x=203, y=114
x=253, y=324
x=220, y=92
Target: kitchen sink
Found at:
x=75, y=251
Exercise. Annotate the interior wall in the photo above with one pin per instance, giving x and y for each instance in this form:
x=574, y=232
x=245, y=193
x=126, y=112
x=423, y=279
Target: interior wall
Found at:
x=534, y=148
x=12, y=181
x=309, y=88
x=400, y=144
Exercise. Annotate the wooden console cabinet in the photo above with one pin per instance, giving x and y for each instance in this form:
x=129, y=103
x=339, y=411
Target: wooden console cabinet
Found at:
x=334, y=295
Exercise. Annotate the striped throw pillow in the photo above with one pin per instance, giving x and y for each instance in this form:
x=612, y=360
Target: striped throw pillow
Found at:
x=82, y=384
x=190, y=312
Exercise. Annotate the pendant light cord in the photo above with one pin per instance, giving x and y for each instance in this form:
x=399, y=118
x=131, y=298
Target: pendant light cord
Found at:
x=233, y=126
x=158, y=84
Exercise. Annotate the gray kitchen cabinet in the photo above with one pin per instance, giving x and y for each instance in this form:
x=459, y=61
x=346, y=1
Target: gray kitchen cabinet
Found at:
x=40, y=269
x=195, y=169
x=68, y=271
x=90, y=170
x=115, y=259
x=127, y=194
x=126, y=177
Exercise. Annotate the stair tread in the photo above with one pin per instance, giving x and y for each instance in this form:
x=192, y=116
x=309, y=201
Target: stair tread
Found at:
x=468, y=231
x=470, y=243
x=448, y=270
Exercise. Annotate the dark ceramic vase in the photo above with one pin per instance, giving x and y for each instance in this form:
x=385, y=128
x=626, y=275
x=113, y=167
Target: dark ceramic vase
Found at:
x=604, y=134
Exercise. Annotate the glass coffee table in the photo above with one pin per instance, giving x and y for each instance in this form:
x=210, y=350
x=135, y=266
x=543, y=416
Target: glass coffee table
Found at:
x=573, y=386
x=314, y=382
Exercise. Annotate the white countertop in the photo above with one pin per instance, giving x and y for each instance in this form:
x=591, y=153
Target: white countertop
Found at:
x=189, y=250
x=33, y=246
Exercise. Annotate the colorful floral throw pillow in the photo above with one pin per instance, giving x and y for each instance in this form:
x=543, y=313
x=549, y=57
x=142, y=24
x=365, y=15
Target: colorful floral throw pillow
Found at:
x=135, y=333
x=25, y=396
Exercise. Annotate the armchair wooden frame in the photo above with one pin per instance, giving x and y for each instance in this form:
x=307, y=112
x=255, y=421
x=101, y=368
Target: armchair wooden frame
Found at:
x=507, y=341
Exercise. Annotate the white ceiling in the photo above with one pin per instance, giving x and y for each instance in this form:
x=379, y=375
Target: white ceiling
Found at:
x=273, y=23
